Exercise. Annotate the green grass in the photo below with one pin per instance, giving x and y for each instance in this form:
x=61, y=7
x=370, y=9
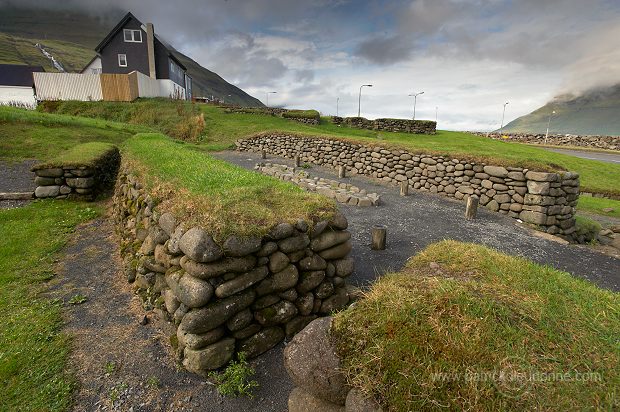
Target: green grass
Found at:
x=597, y=204
x=423, y=340
x=301, y=114
x=85, y=154
x=27, y=134
x=33, y=351
x=222, y=129
x=221, y=197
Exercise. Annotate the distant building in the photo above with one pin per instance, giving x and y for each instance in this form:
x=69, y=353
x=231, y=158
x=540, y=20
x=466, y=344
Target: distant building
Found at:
x=17, y=85
x=134, y=46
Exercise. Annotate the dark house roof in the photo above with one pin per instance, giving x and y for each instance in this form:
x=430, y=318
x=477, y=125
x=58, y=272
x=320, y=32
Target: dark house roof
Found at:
x=18, y=75
x=120, y=25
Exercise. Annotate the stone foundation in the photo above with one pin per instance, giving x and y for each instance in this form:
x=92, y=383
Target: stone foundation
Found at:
x=245, y=294
x=389, y=125
x=547, y=200
x=597, y=142
x=84, y=182
x=341, y=192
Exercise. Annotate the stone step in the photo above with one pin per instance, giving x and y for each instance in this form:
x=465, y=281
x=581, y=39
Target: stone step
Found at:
x=16, y=196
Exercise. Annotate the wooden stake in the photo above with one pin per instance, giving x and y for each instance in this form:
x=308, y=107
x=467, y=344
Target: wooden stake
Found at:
x=297, y=161
x=379, y=233
x=471, y=208
x=404, y=188
x=263, y=154
x=341, y=172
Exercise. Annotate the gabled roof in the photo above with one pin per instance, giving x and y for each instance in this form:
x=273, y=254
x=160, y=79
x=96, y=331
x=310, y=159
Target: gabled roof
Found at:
x=120, y=25
x=115, y=30
x=18, y=75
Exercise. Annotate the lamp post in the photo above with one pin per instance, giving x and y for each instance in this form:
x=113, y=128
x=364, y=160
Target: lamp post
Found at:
x=415, y=99
x=359, y=100
x=436, y=111
x=337, y=102
x=548, y=124
x=503, y=113
x=268, y=93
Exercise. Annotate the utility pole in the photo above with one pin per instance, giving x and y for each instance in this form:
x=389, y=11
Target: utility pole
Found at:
x=337, y=101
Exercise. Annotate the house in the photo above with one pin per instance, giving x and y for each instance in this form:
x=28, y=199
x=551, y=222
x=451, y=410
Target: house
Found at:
x=134, y=46
x=17, y=85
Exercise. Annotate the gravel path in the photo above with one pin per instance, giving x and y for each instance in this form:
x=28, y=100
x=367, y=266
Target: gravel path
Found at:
x=122, y=365
x=16, y=177
x=420, y=219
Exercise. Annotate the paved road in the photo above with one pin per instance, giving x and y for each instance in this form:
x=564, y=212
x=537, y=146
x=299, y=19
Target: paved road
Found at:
x=416, y=221
x=586, y=154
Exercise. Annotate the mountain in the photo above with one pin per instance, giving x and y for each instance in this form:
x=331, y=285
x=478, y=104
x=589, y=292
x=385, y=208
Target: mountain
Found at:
x=596, y=112
x=71, y=38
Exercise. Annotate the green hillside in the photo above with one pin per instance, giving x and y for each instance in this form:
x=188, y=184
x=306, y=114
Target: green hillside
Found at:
x=595, y=113
x=21, y=29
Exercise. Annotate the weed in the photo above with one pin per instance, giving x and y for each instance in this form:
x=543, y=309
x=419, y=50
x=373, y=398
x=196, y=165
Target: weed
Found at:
x=235, y=379
x=152, y=382
x=110, y=367
x=78, y=299
x=117, y=390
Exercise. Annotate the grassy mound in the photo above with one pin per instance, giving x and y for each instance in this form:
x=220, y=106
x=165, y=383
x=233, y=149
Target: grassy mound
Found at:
x=26, y=134
x=177, y=119
x=463, y=327
x=222, y=198
x=301, y=114
x=86, y=154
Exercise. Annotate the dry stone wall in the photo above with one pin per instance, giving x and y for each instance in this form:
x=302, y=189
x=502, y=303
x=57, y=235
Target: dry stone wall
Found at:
x=84, y=182
x=244, y=294
x=389, y=125
x=597, y=142
x=547, y=200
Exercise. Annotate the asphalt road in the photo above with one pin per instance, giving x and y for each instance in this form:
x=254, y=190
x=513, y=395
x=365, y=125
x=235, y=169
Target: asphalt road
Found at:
x=585, y=154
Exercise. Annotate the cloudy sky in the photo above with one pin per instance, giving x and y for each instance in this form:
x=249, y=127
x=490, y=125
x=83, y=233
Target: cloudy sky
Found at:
x=468, y=56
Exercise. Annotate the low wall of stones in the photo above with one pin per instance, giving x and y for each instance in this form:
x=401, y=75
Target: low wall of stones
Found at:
x=333, y=189
x=244, y=294
x=596, y=142
x=547, y=200
x=274, y=111
x=389, y=125
x=84, y=182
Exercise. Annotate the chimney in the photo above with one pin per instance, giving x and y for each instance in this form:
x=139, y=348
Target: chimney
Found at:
x=150, y=48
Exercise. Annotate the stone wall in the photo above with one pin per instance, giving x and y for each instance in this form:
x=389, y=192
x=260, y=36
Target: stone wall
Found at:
x=274, y=111
x=243, y=294
x=597, y=142
x=84, y=182
x=547, y=200
x=389, y=125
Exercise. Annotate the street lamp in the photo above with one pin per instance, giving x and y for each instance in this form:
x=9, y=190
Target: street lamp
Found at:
x=415, y=99
x=359, y=100
x=268, y=93
x=337, y=101
x=548, y=124
x=503, y=113
x=436, y=111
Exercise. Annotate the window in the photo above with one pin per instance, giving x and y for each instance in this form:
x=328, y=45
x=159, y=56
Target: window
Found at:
x=132, y=36
x=122, y=60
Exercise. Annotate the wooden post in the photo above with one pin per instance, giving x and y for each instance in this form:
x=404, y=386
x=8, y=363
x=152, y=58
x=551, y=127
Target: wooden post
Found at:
x=297, y=161
x=379, y=233
x=471, y=208
x=341, y=172
x=263, y=154
x=404, y=188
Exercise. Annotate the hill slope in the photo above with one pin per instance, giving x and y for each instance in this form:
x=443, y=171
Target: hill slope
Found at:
x=595, y=113
x=21, y=29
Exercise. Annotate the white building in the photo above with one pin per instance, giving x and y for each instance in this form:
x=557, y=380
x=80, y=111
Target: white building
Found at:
x=17, y=85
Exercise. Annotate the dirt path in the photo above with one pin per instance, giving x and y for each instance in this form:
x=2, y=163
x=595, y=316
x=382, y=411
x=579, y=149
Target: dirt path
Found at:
x=415, y=221
x=122, y=365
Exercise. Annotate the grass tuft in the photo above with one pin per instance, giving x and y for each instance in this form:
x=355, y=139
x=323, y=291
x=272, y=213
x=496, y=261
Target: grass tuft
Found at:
x=83, y=155
x=464, y=327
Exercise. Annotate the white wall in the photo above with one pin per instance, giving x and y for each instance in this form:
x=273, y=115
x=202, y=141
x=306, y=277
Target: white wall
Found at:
x=17, y=94
x=148, y=87
x=171, y=89
x=67, y=86
x=94, y=67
